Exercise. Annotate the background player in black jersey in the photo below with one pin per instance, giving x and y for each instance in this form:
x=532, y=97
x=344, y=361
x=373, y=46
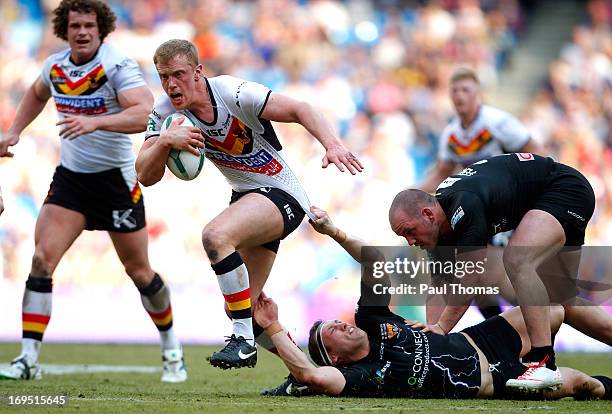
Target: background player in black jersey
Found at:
x=95, y=186
x=548, y=204
x=383, y=356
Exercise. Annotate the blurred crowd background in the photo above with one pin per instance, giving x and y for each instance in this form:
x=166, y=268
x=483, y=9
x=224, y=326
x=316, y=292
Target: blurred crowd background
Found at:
x=378, y=69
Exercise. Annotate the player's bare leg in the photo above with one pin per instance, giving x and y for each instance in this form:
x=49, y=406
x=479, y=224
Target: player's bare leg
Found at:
x=581, y=386
x=56, y=229
x=251, y=221
x=583, y=315
x=515, y=318
x=575, y=383
x=590, y=319
x=132, y=249
x=538, y=237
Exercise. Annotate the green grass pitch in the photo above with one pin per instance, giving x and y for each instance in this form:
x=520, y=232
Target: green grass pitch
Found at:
x=211, y=390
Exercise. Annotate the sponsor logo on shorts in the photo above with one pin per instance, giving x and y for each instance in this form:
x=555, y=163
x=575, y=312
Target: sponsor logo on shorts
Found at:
x=290, y=214
x=124, y=218
x=493, y=366
x=578, y=216
x=260, y=163
x=456, y=217
x=497, y=227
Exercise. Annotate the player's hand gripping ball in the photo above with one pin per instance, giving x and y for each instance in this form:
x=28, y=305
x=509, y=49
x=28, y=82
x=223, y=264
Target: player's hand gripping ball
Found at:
x=183, y=164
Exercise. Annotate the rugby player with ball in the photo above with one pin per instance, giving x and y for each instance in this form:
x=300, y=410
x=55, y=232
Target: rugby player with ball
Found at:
x=232, y=120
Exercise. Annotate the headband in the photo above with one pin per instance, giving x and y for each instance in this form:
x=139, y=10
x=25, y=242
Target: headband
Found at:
x=320, y=345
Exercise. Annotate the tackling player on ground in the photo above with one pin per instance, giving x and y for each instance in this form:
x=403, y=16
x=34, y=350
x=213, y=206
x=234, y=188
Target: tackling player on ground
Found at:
x=100, y=96
x=232, y=118
x=384, y=355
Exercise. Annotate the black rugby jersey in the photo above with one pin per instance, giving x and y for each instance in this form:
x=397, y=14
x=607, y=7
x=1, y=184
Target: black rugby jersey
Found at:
x=405, y=362
x=492, y=196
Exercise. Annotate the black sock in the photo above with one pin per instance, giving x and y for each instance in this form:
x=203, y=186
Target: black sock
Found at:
x=541, y=353
x=607, y=383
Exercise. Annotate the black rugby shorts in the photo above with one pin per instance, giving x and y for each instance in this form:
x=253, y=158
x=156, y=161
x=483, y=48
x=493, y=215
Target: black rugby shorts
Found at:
x=104, y=198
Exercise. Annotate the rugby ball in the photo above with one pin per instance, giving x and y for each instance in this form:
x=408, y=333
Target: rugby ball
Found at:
x=183, y=164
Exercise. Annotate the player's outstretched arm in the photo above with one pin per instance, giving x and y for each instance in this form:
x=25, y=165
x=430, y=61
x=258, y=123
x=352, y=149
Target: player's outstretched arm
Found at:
x=152, y=157
x=327, y=380
x=457, y=303
x=136, y=104
x=31, y=105
x=324, y=225
x=281, y=108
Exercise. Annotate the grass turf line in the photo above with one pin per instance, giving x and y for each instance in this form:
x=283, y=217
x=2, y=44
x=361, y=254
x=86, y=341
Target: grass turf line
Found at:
x=212, y=390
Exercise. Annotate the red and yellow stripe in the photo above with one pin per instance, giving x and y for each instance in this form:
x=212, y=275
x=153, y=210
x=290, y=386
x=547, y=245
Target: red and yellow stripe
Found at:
x=238, y=301
x=34, y=325
x=162, y=319
x=471, y=147
x=136, y=193
x=84, y=86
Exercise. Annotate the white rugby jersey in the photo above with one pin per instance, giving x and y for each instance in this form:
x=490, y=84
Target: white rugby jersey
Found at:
x=91, y=89
x=243, y=146
x=493, y=132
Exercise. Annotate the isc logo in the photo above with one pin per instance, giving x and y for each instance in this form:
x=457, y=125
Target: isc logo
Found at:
x=77, y=73
x=290, y=214
x=215, y=132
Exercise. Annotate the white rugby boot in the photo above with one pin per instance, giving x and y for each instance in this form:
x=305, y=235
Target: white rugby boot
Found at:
x=21, y=369
x=173, y=366
x=537, y=377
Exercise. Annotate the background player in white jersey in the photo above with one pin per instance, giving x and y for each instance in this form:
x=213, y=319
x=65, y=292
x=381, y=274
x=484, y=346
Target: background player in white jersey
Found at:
x=232, y=118
x=476, y=133
x=100, y=96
